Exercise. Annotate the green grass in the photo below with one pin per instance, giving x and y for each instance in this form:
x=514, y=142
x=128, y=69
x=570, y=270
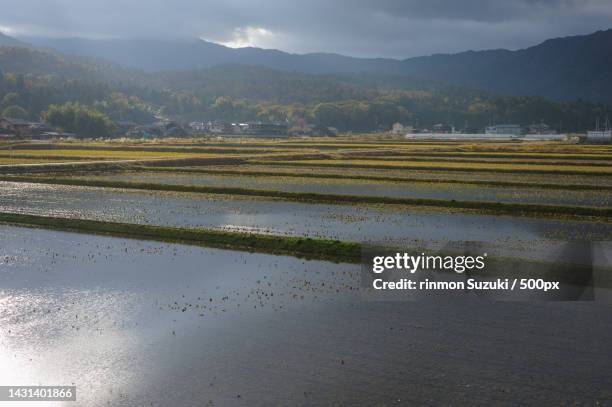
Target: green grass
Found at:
x=320, y=249
x=492, y=161
x=102, y=154
x=9, y=160
x=505, y=155
x=436, y=166
x=534, y=210
x=162, y=148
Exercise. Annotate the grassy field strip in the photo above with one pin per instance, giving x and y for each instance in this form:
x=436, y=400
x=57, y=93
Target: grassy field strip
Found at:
x=71, y=166
x=433, y=166
x=380, y=151
x=157, y=149
x=15, y=160
x=424, y=173
x=418, y=158
x=97, y=154
x=237, y=148
x=86, y=155
x=223, y=171
x=517, y=209
x=512, y=155
x=320, y=249
x=49, y=157
x=464, y=146
x=137, y=156
x=480, y=148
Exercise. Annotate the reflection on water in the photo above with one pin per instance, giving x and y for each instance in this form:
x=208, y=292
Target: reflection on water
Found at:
x=135, y=323
x=344, y=222
x=102, y=313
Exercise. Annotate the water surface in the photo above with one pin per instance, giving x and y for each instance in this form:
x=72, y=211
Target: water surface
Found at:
x=134, y=323
x=383, y=223
x=464, y=192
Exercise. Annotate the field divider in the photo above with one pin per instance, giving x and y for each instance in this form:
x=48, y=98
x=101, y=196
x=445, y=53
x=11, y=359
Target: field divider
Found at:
x=491, y=161
x=518, y=155
x=506, y=208
x=431, y=168
x=311, y=248
x=377, y=178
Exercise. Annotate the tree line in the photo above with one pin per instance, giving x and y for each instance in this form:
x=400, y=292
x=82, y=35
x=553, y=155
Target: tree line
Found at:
x=86, y=106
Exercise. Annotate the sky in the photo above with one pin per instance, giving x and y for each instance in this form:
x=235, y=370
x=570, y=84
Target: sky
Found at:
x=382, y=28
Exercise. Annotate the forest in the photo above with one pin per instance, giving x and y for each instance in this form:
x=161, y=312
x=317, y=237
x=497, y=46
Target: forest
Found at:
x=37, y=84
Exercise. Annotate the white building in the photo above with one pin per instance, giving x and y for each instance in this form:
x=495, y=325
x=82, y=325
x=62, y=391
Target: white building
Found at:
x=397, y=128
x=604, y=136
x=513, y=129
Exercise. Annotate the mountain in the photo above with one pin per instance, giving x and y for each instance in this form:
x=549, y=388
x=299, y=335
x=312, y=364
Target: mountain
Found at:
x=561, y=69
x=6, y=41
x=190, y=54
x=232, y=80
x=28, y=60
x=33, y=79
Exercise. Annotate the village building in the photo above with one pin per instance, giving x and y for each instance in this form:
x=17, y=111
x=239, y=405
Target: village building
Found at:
x=599, y=136
x=507, y=129
x=18, y=127
x=540, y=128
x=266, y=129
x=397, y=128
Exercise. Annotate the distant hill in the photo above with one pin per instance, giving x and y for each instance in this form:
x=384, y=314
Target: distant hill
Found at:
x=6, y=41
x=33, y=78
x=561, y=69
x=190, y=54
x=231, y=80
x=29, y=60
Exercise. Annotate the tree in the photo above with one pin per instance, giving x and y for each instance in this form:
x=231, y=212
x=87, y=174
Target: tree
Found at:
x=79, y=119
x=121, y=107
x=328, y=114
x=15, y=112
x=10, y=98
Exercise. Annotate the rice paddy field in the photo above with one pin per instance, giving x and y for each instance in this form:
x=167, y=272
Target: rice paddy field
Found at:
x=10, y=160
x=136, y=320
x=440, y=190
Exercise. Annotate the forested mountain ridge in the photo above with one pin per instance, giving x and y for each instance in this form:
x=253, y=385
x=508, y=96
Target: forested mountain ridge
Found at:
x=33, y=79
x=560, y=69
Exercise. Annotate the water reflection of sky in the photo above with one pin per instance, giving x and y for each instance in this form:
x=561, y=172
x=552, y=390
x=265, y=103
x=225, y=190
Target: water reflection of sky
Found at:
x=103, y=313
x=135, y=323
x=344, y=222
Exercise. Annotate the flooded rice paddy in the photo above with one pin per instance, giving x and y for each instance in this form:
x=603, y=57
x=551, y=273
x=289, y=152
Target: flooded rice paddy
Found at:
x=383, y=223
x=135, y=323
x=143, y=323
x=378, y=188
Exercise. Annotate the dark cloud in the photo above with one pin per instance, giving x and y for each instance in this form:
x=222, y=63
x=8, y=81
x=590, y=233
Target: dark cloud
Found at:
x=395, y=28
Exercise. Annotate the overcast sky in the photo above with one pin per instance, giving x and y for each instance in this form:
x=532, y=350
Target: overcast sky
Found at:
x=382, y=28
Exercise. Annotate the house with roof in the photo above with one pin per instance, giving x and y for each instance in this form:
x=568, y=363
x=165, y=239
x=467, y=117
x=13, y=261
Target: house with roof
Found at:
x=19, y=127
